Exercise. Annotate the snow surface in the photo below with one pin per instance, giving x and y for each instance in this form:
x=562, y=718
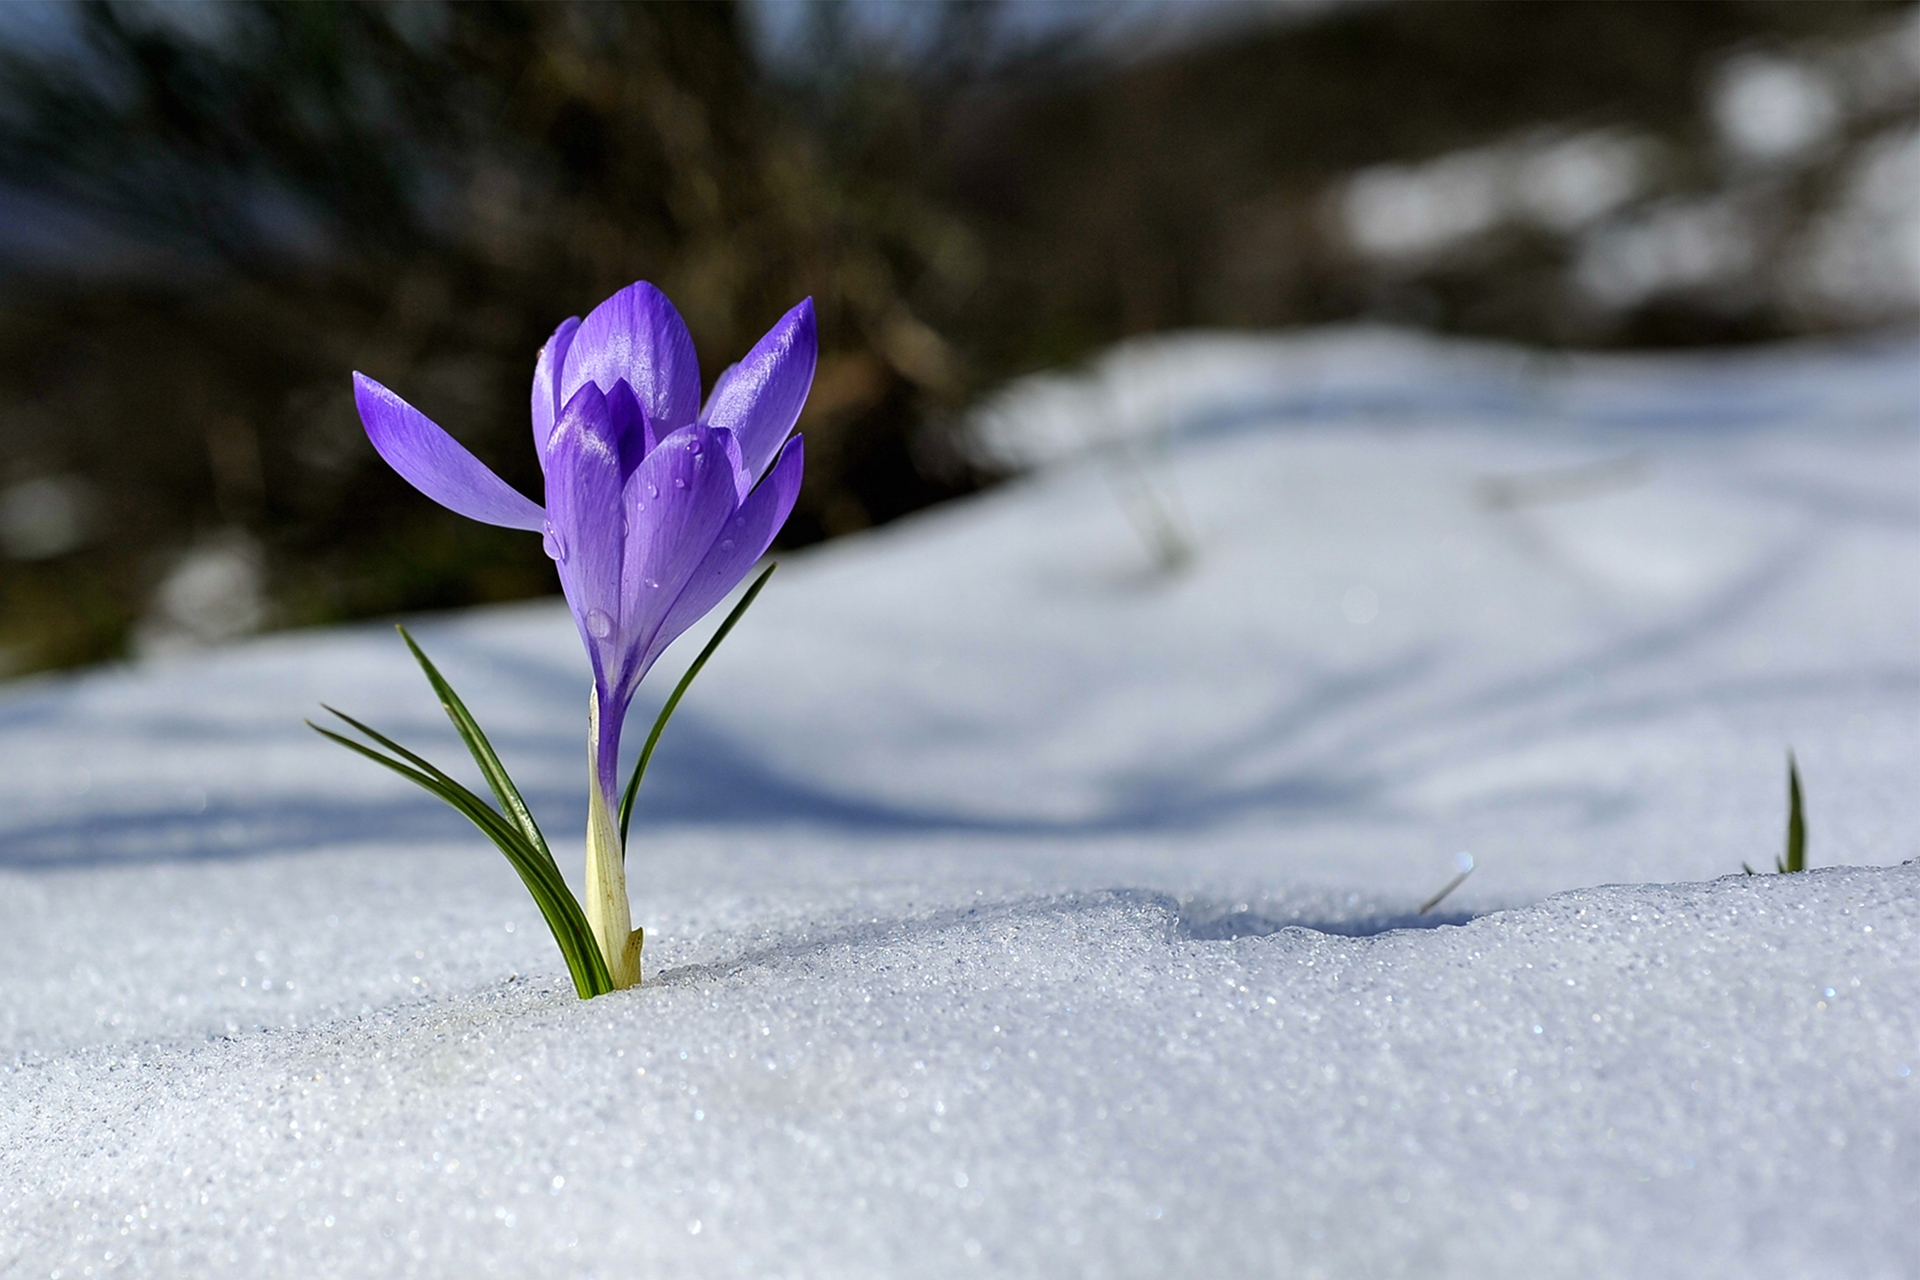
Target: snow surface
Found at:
x=1015, y=906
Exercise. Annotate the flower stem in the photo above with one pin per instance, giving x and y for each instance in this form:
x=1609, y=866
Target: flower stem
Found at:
x=606, y=900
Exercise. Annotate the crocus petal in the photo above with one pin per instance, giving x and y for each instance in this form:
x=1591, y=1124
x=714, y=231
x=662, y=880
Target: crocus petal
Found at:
x=719, y=383
x=436, y=464
x=743, y=540
x=677, y=501
x=760, y=398
x=637, y=335
x=631, y=426
x=546, y=385
x=583, y=534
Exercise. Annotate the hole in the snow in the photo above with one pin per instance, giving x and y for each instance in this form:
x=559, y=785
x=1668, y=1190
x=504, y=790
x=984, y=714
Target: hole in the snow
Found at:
x=1204, y=922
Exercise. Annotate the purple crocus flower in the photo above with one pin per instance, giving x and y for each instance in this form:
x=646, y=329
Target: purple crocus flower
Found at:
x=655, y=506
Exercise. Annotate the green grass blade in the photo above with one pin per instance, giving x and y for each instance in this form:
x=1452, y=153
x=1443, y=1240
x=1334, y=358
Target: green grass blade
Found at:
x=456, y=794
x=1796, y=859
x=491, y=769
x=536, y=869
x=550, y=893
x=471, y=806
x=458, y=797
x=679, y=691
x=420, y=763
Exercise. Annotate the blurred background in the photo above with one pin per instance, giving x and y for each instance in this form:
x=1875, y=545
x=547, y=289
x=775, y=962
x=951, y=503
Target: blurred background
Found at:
x=211, y=213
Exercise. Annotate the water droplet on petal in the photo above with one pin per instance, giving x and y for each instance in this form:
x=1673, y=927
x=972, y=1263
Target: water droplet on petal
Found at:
x=726, y=544
x=653, y=490
x=553, y=544
x=652, y=582
x=678, y=483
x=599, y=623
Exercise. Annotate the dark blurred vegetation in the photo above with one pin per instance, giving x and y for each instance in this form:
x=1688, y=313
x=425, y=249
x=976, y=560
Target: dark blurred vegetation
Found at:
x=212, y=215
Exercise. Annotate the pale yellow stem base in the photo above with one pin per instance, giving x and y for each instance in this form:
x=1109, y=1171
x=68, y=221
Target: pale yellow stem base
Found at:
x=608, y=912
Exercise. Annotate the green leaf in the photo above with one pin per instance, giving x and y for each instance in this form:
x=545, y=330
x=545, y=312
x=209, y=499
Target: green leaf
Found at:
x=536, y=866
x=444, y=786
x=1796, y=857
x=469, y=805
x=679, y=691
x=483, y=754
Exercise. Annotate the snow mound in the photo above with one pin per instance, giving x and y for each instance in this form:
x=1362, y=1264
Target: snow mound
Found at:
x=1030, y=887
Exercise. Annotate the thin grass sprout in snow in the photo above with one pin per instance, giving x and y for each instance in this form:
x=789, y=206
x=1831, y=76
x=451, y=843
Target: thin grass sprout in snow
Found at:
x=656, y=508
x=1795, y=858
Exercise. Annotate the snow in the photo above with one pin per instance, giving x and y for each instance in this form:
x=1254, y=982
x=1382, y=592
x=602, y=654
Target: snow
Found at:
x=1018, y=905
